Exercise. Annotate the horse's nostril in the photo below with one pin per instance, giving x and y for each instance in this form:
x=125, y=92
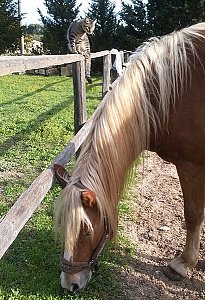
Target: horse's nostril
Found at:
x=74, y=287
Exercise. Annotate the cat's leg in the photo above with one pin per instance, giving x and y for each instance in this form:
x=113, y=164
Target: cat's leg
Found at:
x=72, y=48
x=88, y=68
x=73, y=45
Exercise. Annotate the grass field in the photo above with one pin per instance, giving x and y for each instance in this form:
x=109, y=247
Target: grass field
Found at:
x=36, y=122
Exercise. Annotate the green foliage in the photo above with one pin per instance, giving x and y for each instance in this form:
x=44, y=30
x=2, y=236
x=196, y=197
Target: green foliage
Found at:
x=9, y=26
x=106, y=26
x=127, y=29
x=166, y=16
x=61, y=14
x=33, y=29
x=140, y=21
x=134, y=30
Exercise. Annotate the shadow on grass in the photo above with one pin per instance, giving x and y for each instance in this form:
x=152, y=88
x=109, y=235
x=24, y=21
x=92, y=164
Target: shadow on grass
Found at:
x=95, y=83
x=89, y=89
x=7, y=188
x=22, y=97
x=31, y=264
x=31, y=267
x=33, y=125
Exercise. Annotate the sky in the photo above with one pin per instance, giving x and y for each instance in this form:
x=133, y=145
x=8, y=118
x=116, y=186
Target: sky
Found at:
x=29, y=8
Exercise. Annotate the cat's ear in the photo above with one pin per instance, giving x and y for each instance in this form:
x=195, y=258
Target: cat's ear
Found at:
x=62, y=175
x=87, y=20
x=94, y=22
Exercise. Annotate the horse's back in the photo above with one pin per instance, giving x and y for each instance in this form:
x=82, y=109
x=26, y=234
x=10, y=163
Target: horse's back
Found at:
x=184, y=137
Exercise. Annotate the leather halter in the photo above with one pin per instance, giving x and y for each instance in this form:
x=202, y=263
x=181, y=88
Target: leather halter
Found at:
x=71, y=266
x=74, y=267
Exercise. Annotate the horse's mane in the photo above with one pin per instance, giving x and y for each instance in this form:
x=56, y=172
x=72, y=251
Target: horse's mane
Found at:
x=121, y=128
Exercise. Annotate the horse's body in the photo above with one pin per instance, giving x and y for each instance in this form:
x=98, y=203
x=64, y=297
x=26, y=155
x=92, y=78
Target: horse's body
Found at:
x=157, y=104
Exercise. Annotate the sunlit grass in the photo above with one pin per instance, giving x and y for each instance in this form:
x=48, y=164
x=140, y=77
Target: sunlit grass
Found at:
x=36, y=122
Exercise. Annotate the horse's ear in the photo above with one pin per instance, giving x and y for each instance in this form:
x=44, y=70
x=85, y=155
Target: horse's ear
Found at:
x=61, y=175
x=88, y=198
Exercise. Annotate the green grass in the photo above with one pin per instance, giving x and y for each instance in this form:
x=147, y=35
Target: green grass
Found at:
x=36, y=122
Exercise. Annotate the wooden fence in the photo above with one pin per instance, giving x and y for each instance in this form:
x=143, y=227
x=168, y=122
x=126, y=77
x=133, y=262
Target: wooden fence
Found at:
x=12, y=223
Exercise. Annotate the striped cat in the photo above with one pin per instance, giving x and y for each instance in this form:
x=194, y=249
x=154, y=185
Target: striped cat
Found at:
x=78, y=41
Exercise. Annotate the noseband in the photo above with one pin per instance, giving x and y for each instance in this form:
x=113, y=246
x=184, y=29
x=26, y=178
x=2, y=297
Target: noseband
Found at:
x=74, y=267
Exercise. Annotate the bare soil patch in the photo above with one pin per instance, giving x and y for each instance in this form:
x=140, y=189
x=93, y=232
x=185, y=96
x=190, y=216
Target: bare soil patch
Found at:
x=159, y=235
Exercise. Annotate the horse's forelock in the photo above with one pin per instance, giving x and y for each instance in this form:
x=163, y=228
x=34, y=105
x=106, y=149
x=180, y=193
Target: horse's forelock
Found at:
x=69, y=216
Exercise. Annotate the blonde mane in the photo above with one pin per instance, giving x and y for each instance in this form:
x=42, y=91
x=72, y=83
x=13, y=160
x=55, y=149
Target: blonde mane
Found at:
x=121, y=128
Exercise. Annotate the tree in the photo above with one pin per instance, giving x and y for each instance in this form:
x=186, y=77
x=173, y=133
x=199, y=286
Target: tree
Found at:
x=106, y=27
x=9, y=26
x=164, y=16
x=61, y=15
x=133, y=29
x=33, y=29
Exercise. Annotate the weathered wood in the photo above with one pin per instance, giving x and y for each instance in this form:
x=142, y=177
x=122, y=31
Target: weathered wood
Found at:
x=22, y=210
x=122, y=57
x=106, y=74
x=113, y=72
x=12, y=64
x=127, y=54
x=99, y=54
x=80, y=115
x=27, y=203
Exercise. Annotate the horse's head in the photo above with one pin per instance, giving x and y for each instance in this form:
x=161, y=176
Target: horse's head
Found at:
x=92, y=237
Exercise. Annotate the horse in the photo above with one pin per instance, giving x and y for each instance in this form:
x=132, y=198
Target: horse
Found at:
x=157, y=104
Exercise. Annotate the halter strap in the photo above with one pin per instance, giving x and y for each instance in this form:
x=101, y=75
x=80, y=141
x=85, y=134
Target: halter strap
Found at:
x=74, y=267
x=80, y=185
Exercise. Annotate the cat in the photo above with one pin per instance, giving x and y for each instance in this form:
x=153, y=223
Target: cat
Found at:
x=78, y=41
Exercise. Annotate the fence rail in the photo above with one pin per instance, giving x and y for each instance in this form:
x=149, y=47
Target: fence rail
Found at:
x=12, y=223
x=28, y=202
x=14, y=64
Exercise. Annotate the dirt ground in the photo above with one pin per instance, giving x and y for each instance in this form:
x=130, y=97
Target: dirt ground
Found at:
x=159, y=235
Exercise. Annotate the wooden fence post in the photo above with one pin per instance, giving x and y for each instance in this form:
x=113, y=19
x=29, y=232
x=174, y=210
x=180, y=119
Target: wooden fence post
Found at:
x=122, y=57
x=113, y=72
x=80, y=114
x=106, y=74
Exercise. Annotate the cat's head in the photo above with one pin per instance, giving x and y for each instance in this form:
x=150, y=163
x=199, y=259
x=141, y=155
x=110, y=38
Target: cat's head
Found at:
x=88, y=25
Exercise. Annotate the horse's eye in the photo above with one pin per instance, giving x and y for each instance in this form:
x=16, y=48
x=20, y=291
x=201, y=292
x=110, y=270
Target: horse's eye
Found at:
x=88, y=234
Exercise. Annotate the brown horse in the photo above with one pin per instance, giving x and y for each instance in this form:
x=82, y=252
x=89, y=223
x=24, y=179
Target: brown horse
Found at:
x=157, y=104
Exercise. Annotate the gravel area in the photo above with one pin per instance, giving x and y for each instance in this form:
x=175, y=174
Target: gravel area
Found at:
x=158, y=233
